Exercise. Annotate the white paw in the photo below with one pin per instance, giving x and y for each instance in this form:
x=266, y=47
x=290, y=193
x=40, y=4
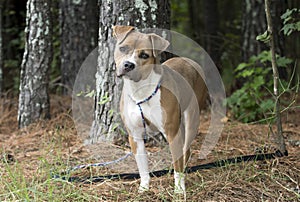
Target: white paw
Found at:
x=179, y=183
x=143, y=188
x=144, y=185
x=180, y=194
x=179, y=190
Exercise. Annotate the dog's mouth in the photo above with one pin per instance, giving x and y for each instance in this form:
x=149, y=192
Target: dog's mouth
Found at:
x=120, y=75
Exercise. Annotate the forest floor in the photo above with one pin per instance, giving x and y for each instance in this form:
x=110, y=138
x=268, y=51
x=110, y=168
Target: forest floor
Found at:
x=29, y=156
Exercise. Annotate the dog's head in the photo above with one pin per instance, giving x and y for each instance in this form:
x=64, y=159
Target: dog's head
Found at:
x=136, y=53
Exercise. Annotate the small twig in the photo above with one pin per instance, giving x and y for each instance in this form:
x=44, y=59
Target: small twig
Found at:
x=294, y=181
x=289, y=190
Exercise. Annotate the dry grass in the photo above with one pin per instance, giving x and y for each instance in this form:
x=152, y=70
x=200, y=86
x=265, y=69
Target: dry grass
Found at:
x=30, y=155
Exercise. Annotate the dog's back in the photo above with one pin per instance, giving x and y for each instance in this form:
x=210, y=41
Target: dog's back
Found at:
x=188, y=69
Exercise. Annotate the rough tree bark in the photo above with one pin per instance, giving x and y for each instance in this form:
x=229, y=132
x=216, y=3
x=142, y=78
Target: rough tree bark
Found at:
x=253, y=24
x=278, y=136
x=139, y=13
x=79, y=31
x=33, y=98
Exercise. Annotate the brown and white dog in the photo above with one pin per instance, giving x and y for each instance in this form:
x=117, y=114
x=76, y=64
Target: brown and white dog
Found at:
x=162, y=98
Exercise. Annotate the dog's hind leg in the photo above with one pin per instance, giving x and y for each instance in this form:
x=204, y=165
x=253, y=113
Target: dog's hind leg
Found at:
x=176, y=147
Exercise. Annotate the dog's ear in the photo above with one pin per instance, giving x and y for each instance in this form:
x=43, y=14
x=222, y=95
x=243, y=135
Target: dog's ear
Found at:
x=159, y=44
x=121, y=32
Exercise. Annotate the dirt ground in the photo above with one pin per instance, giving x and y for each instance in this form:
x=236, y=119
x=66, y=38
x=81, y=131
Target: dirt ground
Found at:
x=56, y=141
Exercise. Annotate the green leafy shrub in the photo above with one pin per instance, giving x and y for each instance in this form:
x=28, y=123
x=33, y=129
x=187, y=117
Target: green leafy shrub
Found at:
x=253, y=100
x=291, y=21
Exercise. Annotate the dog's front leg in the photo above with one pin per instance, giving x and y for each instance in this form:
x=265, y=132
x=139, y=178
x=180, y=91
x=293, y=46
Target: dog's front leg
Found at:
x=138, y=147
x=142, y=163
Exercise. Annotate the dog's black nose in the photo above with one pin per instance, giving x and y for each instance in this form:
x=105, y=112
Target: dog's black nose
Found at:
x=128, y=66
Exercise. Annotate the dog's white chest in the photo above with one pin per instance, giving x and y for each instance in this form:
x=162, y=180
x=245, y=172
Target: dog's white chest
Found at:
x=150, y=107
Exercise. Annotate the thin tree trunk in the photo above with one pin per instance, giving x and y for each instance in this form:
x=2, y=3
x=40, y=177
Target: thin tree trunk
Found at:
x=79, y=28
x=195, y=20
x=34, y=99
x=279, y=139
x=142, y=14
x=211, y=28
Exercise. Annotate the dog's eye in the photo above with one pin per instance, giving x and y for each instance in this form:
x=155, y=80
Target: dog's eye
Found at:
x=123, y=49
x=144, y=55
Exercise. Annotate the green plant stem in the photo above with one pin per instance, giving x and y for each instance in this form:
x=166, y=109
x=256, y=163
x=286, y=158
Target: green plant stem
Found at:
x=278, y=136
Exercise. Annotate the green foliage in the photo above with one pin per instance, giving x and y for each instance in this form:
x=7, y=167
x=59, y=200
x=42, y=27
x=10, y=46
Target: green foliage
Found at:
x=291, y=21
x=180, y=16
x=252, y=101
x=265, y=37
x=104, y=99
x=88, y=93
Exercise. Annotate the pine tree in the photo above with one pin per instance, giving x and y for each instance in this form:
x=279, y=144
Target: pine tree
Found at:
x=34, y=98
x=79, y=28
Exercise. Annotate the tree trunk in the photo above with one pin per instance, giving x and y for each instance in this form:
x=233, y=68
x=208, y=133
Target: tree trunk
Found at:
x=34, y=99
x=79, y=28
x=279, y=139
x=204, y=20
x=195, y=6
x=211, y=28
x=139, y=13
x=254, y=24
x=278, y=7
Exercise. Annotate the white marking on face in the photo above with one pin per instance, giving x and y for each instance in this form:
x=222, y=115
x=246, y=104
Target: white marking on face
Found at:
x=132, y=58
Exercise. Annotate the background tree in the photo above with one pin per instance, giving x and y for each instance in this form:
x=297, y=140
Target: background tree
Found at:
x=211, y=29
x=254, y=23
x=34, y=99
x=205, y=27
x=196, y=20
x=14, y=15
x=142, y=14
x=79, y=30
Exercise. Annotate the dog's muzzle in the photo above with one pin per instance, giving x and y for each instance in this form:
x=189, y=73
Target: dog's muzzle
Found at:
x=126, y=67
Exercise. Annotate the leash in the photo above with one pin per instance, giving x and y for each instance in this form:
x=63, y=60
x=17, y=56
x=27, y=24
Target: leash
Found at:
x=221, y=163
x=63, y=175
x=55, y=176
x=141, y=110
x=159, y=173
